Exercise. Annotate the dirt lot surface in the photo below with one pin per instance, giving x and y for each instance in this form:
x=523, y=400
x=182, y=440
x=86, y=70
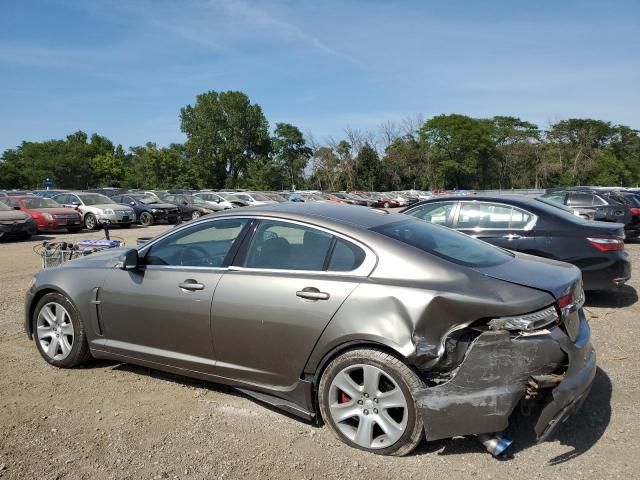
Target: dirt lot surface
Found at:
x=110, y=420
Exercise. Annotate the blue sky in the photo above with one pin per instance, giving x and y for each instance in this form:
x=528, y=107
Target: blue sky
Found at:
x=124, y=68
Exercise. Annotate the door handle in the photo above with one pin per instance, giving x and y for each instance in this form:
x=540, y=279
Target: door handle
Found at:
x=191, y=285
x=512, y=236
x=312, y=293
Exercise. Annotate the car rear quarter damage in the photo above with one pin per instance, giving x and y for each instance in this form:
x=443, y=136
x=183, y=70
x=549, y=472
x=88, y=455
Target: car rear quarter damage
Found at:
x=476, y=376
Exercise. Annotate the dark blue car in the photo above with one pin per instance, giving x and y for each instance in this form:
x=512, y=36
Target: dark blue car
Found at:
x=148, y=209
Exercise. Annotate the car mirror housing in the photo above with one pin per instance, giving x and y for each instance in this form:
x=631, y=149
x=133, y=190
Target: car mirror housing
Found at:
x=129, y=260
x=132, y=203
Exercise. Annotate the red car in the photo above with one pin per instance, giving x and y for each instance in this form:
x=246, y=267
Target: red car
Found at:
x=47, y=213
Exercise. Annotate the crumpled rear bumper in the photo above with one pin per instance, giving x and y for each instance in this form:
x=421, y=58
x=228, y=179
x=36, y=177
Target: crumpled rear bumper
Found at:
x=493, y=378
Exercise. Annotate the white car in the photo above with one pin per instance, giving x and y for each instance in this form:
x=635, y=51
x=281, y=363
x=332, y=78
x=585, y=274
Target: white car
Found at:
x=95, y=207
x=214, y=198
x=255, y=199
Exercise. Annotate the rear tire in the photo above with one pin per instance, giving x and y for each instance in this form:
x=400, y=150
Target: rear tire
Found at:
x=378, y=389
x=59, y=332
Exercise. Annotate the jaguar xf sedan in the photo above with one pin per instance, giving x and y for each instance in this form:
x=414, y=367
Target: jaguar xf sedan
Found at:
x=384, y=327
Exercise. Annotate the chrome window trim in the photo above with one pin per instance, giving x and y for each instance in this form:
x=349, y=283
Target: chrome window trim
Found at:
x=528, y=227
x=364, y=270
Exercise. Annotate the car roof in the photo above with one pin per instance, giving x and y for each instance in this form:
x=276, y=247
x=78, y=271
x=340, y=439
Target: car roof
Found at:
x=512, y=199
x=326, y=214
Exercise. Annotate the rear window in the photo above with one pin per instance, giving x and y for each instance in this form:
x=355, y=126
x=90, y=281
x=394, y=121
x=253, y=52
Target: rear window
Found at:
x=445, y=243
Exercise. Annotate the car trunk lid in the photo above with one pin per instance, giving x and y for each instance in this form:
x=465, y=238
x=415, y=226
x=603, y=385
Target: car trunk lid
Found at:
x=556, y=278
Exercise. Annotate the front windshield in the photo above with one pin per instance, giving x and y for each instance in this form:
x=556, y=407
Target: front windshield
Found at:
x=40, y=202
x=94, y=199
x=445, y=243
x=145, y=198
x=209, y=197
x=259, y=197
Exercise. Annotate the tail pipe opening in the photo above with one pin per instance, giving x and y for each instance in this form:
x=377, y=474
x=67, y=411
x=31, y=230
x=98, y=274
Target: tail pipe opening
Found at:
x=495, y=443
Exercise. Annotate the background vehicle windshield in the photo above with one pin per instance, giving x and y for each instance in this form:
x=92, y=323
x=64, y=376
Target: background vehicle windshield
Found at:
x=3, y=207
x=259, y=197
x=196, y=200
x=445, y=243
x=94, y=199
x=145, y=198
x=40, y=202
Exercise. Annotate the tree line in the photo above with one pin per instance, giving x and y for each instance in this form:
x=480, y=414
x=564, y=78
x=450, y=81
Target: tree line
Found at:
x=230, y=144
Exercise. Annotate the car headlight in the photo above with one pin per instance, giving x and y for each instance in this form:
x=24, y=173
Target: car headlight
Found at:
x=48, y=216
x=108, y=211
x=154, y=210
x=526, y=322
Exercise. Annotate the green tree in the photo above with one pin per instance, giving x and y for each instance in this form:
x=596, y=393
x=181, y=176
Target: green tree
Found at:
x=462, y=148
x=225, y=132
x=291, y=152
x=367, y=167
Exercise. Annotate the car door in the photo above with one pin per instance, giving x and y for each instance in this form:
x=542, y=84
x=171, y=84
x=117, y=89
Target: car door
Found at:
x=161, y=312
x=284, y=287
x=499, y=224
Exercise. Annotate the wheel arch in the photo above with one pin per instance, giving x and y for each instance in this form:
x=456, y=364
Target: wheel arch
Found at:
x=34, y=302
x=315, y=375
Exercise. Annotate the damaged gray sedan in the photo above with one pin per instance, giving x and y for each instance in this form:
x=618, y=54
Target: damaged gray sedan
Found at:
x=386, y=328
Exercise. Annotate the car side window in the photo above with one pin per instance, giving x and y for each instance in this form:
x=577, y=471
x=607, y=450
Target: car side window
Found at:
x=287, y=246
x=483, y=215
x=117, y=199
x=345, y=256
x=203, y=245
x=580, y=199
x=519, y=218
x=556, y=197
x=437, y=213
x=598, y=201
x=10, y=202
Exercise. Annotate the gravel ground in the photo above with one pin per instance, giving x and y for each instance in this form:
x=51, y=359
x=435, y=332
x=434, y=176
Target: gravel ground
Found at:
x=110, y=420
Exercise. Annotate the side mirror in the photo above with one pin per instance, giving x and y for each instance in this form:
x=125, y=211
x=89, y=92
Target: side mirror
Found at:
x=133, y=204
x=16, y=208
x=129, y=260
x=185, y=203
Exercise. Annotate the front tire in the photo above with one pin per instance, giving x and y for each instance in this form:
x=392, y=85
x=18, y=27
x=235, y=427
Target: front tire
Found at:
x=59, y=332
x=195, y=215
x=90, y=222
x=366, y=398
x=146, y=219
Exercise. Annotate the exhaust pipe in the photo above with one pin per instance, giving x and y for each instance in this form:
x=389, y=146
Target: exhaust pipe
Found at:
x=495, y=444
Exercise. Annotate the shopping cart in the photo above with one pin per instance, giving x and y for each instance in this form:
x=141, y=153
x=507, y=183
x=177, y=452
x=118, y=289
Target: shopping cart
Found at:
x=54, y=254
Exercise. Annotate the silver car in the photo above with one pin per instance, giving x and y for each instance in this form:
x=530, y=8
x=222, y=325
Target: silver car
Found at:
x=96, y=208
x=386, y=328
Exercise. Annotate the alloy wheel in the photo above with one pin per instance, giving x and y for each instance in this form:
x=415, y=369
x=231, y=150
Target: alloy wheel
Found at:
x=55, y=331
x=368, y=406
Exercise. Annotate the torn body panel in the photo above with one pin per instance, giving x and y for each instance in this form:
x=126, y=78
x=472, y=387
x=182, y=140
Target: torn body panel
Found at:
x=493, y=378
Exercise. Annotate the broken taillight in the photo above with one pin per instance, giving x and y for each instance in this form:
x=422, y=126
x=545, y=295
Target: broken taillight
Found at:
x=565, y=301
x=607, y=244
